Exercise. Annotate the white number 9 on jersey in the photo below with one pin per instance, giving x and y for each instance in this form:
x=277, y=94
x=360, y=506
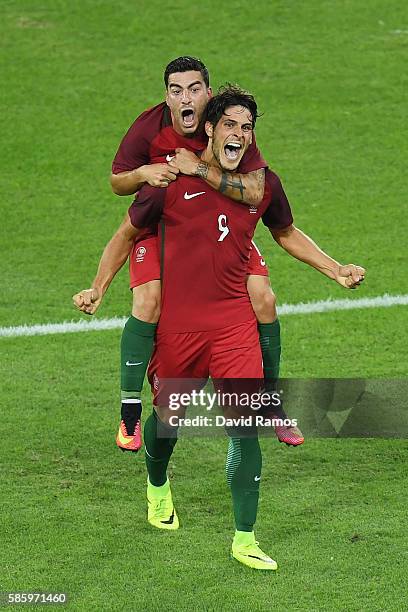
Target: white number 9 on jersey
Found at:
x=223, y=227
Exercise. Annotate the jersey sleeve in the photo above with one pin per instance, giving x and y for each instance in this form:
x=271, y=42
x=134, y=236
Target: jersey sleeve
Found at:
x=252, y=159
x=147, y=208
x=133, y=151
x=278, y=214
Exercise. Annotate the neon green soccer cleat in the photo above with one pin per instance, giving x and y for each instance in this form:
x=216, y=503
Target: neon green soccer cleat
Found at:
x=246, y=550
x=160, y=508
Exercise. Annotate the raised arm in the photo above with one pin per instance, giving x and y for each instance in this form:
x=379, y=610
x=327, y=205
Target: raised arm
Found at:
x=246, y=188
x=300, y=246
x=113, y=257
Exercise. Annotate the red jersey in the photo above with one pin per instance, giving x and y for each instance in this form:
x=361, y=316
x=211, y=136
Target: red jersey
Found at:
x=152, y=139
x=206, y=240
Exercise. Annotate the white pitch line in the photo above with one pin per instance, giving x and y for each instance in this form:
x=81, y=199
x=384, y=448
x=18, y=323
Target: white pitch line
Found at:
x=67, y=327
x=383, y=301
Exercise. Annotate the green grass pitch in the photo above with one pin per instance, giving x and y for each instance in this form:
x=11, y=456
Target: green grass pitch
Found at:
x=330, y=78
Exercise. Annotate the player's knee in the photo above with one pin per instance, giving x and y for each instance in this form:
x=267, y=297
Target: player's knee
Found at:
x=264, y=305
x=146, y=303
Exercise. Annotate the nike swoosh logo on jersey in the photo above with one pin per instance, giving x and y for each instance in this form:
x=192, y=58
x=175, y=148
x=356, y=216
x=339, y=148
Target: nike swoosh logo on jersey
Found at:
x=257, y=478
x=130, y=363
x=189, y=196
x=169, y=157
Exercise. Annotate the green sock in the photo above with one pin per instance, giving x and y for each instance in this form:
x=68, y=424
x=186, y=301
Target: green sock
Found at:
x=159, y=442
x=135, y=351
x=244, y=465
x=269, y=339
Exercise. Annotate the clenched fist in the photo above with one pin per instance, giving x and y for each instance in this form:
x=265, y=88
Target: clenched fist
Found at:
x=350, y=276
x=160, y=175
x=186, y=161
x=87, y=300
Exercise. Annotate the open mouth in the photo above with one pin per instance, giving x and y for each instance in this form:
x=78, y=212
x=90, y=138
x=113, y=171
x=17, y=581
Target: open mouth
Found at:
x=188, y=117
x=232, y=150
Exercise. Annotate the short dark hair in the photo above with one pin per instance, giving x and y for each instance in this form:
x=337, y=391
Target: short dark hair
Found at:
x=185, y=63
x=230, y=95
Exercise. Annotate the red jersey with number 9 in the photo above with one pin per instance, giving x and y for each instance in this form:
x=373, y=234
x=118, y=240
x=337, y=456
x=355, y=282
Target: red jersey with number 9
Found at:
x=205, y=240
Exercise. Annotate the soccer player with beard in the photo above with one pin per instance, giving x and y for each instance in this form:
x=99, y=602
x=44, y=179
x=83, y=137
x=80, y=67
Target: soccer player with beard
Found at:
x=206, y=240
x=161, y=143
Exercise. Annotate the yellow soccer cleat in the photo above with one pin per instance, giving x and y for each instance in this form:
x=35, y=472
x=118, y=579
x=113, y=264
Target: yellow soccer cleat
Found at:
x=246, y=550
x=160, y=508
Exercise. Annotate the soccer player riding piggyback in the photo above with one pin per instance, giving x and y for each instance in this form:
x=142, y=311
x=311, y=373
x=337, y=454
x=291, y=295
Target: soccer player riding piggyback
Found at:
x=211, y=330
x=162, y=142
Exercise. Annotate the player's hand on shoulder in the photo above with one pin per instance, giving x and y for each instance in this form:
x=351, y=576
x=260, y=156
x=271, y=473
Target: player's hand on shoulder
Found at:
x=160, y=175
x=350, y=276
x=87, y=300
x=186, y=161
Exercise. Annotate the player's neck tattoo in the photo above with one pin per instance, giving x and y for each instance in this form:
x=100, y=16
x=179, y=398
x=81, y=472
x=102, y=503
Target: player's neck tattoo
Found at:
x=235, y=182
x=202, y=170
